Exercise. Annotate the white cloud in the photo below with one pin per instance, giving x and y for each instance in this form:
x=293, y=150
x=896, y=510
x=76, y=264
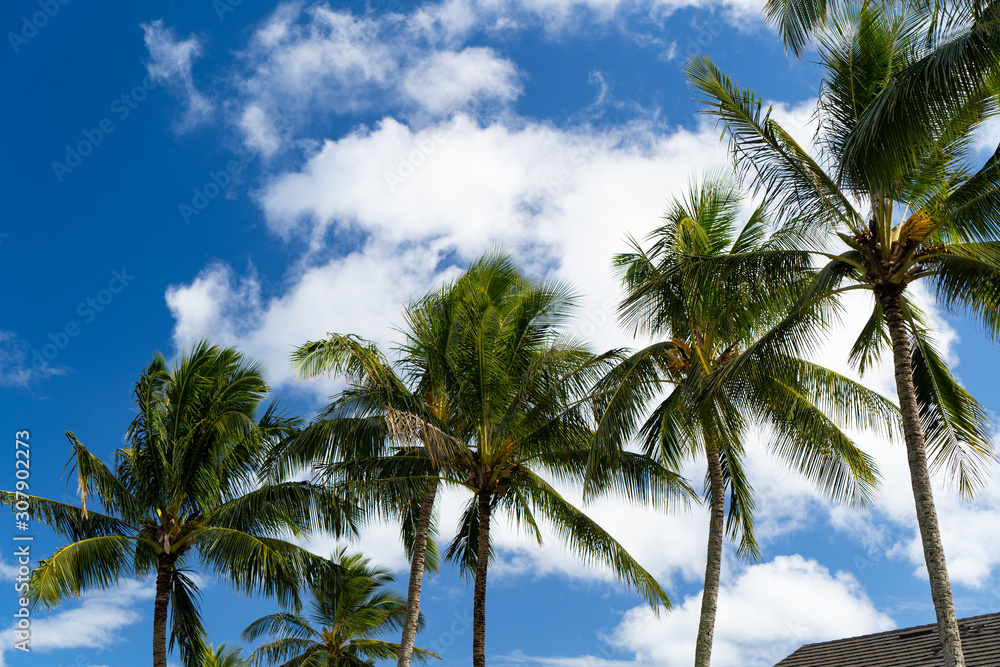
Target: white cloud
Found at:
x=563, y=200
x=456, y=17
x=446, y=80
x=987, y=137
x=8, y=571
x=259, y=131
x=765, y=613
x=307, y=62
x=304, y=62
x=16, y=369
x=171, y=65
x=216, y=305
x=94, y=623
x=318, y=55
x=361, y=293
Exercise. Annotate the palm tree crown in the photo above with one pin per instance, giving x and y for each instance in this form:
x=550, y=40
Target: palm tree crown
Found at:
x=346, y=615
x=183, y=493
x=915, y=166
x=711, y=324
x=487, y=395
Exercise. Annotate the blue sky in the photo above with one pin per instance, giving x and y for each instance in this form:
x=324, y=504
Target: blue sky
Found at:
x=261, y=174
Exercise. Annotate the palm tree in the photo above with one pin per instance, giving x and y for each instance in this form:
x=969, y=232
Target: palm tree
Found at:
x=347, y=613
x=223, y=656
x=958, y=56
x=947, y=235
x=390, y=415
x=184, y=493
x=486, y=395
x=521, y=402
x=710, y=325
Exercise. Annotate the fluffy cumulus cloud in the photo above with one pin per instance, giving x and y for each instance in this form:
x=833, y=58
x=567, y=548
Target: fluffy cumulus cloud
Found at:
x=765, y=612
x=562, y=200
x=170, y=64
x=449, y=80
x=452, y=19
x=307, y=58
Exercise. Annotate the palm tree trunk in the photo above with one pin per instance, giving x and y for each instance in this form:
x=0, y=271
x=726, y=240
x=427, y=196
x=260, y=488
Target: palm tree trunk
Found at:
x=416, y=576
x=479, y=596
x=930, y=536
x=163, y=577
x=713, y=567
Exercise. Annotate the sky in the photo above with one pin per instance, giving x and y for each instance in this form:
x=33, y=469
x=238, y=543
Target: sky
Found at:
x=261, y=174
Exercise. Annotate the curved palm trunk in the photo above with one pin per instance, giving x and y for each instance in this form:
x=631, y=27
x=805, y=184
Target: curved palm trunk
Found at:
x=163, y=575
x=416, y=576
x=479, y=597
x=930, y=536
x=713, y=567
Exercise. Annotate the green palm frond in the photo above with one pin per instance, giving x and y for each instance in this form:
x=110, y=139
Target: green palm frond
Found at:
x=348, y=611
x=282, y=623
x=796, y=20
x=974, y=206
x=871, y=343
x=188, y=630
x=967, y=278
x=253, y=564
x=296, y=507
x=792, y=181
x=956, y=427
x=591, y=543
x=95, y=479
x=742, y=504
x=464, y=547
x=68, y=520
x=85, y=565
x=286, y=651
x=948, y=80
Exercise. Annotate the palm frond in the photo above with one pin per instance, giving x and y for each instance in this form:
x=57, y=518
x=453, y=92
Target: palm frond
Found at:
x=88, y=564
x=957, y=429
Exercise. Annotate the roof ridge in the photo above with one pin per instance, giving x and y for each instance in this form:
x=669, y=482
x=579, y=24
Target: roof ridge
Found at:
x=902, y=630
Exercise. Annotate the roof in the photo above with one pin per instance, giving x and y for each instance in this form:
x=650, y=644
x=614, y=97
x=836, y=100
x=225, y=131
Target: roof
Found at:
x=909, y=647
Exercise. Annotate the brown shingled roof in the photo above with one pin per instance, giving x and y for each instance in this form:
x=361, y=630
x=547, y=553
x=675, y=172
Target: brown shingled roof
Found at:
x=909, y=647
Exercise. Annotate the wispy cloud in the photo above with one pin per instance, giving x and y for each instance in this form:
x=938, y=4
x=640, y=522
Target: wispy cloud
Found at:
x=18, y=368
x=171, y=62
